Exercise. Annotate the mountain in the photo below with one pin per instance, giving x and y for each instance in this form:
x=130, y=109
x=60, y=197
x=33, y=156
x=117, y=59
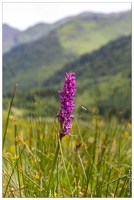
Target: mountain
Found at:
x=89, y=31
x=13, y=37
x=103, y=79
x=32, y=63
x=28, y=64
x=106, y=71
x=74, y=32
x=9, y=38
x=109, y=60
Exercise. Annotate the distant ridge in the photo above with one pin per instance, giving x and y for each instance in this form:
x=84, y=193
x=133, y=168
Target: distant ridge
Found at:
x=13, y=37
x=9, y=37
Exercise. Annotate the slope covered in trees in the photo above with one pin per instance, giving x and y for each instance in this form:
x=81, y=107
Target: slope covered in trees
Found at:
x=103, y=78
x=68, y=40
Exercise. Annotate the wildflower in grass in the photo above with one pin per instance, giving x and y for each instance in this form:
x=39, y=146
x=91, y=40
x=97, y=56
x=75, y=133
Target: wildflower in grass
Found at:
x=67, y=97
x=18, y=139
x=20, y=168
x=36, y=176
x=16, y=156
x=55, y=195
x=41, y=136
x=129, y=125
x=12, y=148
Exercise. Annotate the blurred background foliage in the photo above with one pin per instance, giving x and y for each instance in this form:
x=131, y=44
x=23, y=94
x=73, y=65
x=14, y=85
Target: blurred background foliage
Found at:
x=96, y=47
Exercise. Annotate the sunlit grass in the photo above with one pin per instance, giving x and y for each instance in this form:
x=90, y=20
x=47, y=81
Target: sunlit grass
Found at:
x=95, y=161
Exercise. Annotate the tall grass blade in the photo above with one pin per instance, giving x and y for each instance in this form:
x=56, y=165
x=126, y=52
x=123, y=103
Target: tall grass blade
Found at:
x=9, y=111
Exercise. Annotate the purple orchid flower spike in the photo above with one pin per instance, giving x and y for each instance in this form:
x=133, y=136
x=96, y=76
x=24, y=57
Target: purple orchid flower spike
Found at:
x=67, y=97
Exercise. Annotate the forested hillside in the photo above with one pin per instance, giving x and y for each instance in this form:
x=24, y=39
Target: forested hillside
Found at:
x=29, y=64
x=106, y=71
x=103, y=76
x=71, y=38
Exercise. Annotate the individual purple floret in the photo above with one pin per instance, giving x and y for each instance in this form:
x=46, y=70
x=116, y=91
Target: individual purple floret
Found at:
x=67, y=97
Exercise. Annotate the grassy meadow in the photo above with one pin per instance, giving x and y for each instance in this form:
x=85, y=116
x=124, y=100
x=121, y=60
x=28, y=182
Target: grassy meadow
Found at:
x=94, y=161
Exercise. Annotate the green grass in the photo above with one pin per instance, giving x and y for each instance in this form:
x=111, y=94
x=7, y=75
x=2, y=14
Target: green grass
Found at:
x=94, y=161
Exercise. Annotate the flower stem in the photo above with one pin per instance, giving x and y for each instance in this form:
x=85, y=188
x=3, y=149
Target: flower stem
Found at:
x=51, y=175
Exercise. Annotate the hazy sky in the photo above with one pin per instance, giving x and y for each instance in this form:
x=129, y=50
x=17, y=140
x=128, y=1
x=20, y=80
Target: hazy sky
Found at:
x=23, y=15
